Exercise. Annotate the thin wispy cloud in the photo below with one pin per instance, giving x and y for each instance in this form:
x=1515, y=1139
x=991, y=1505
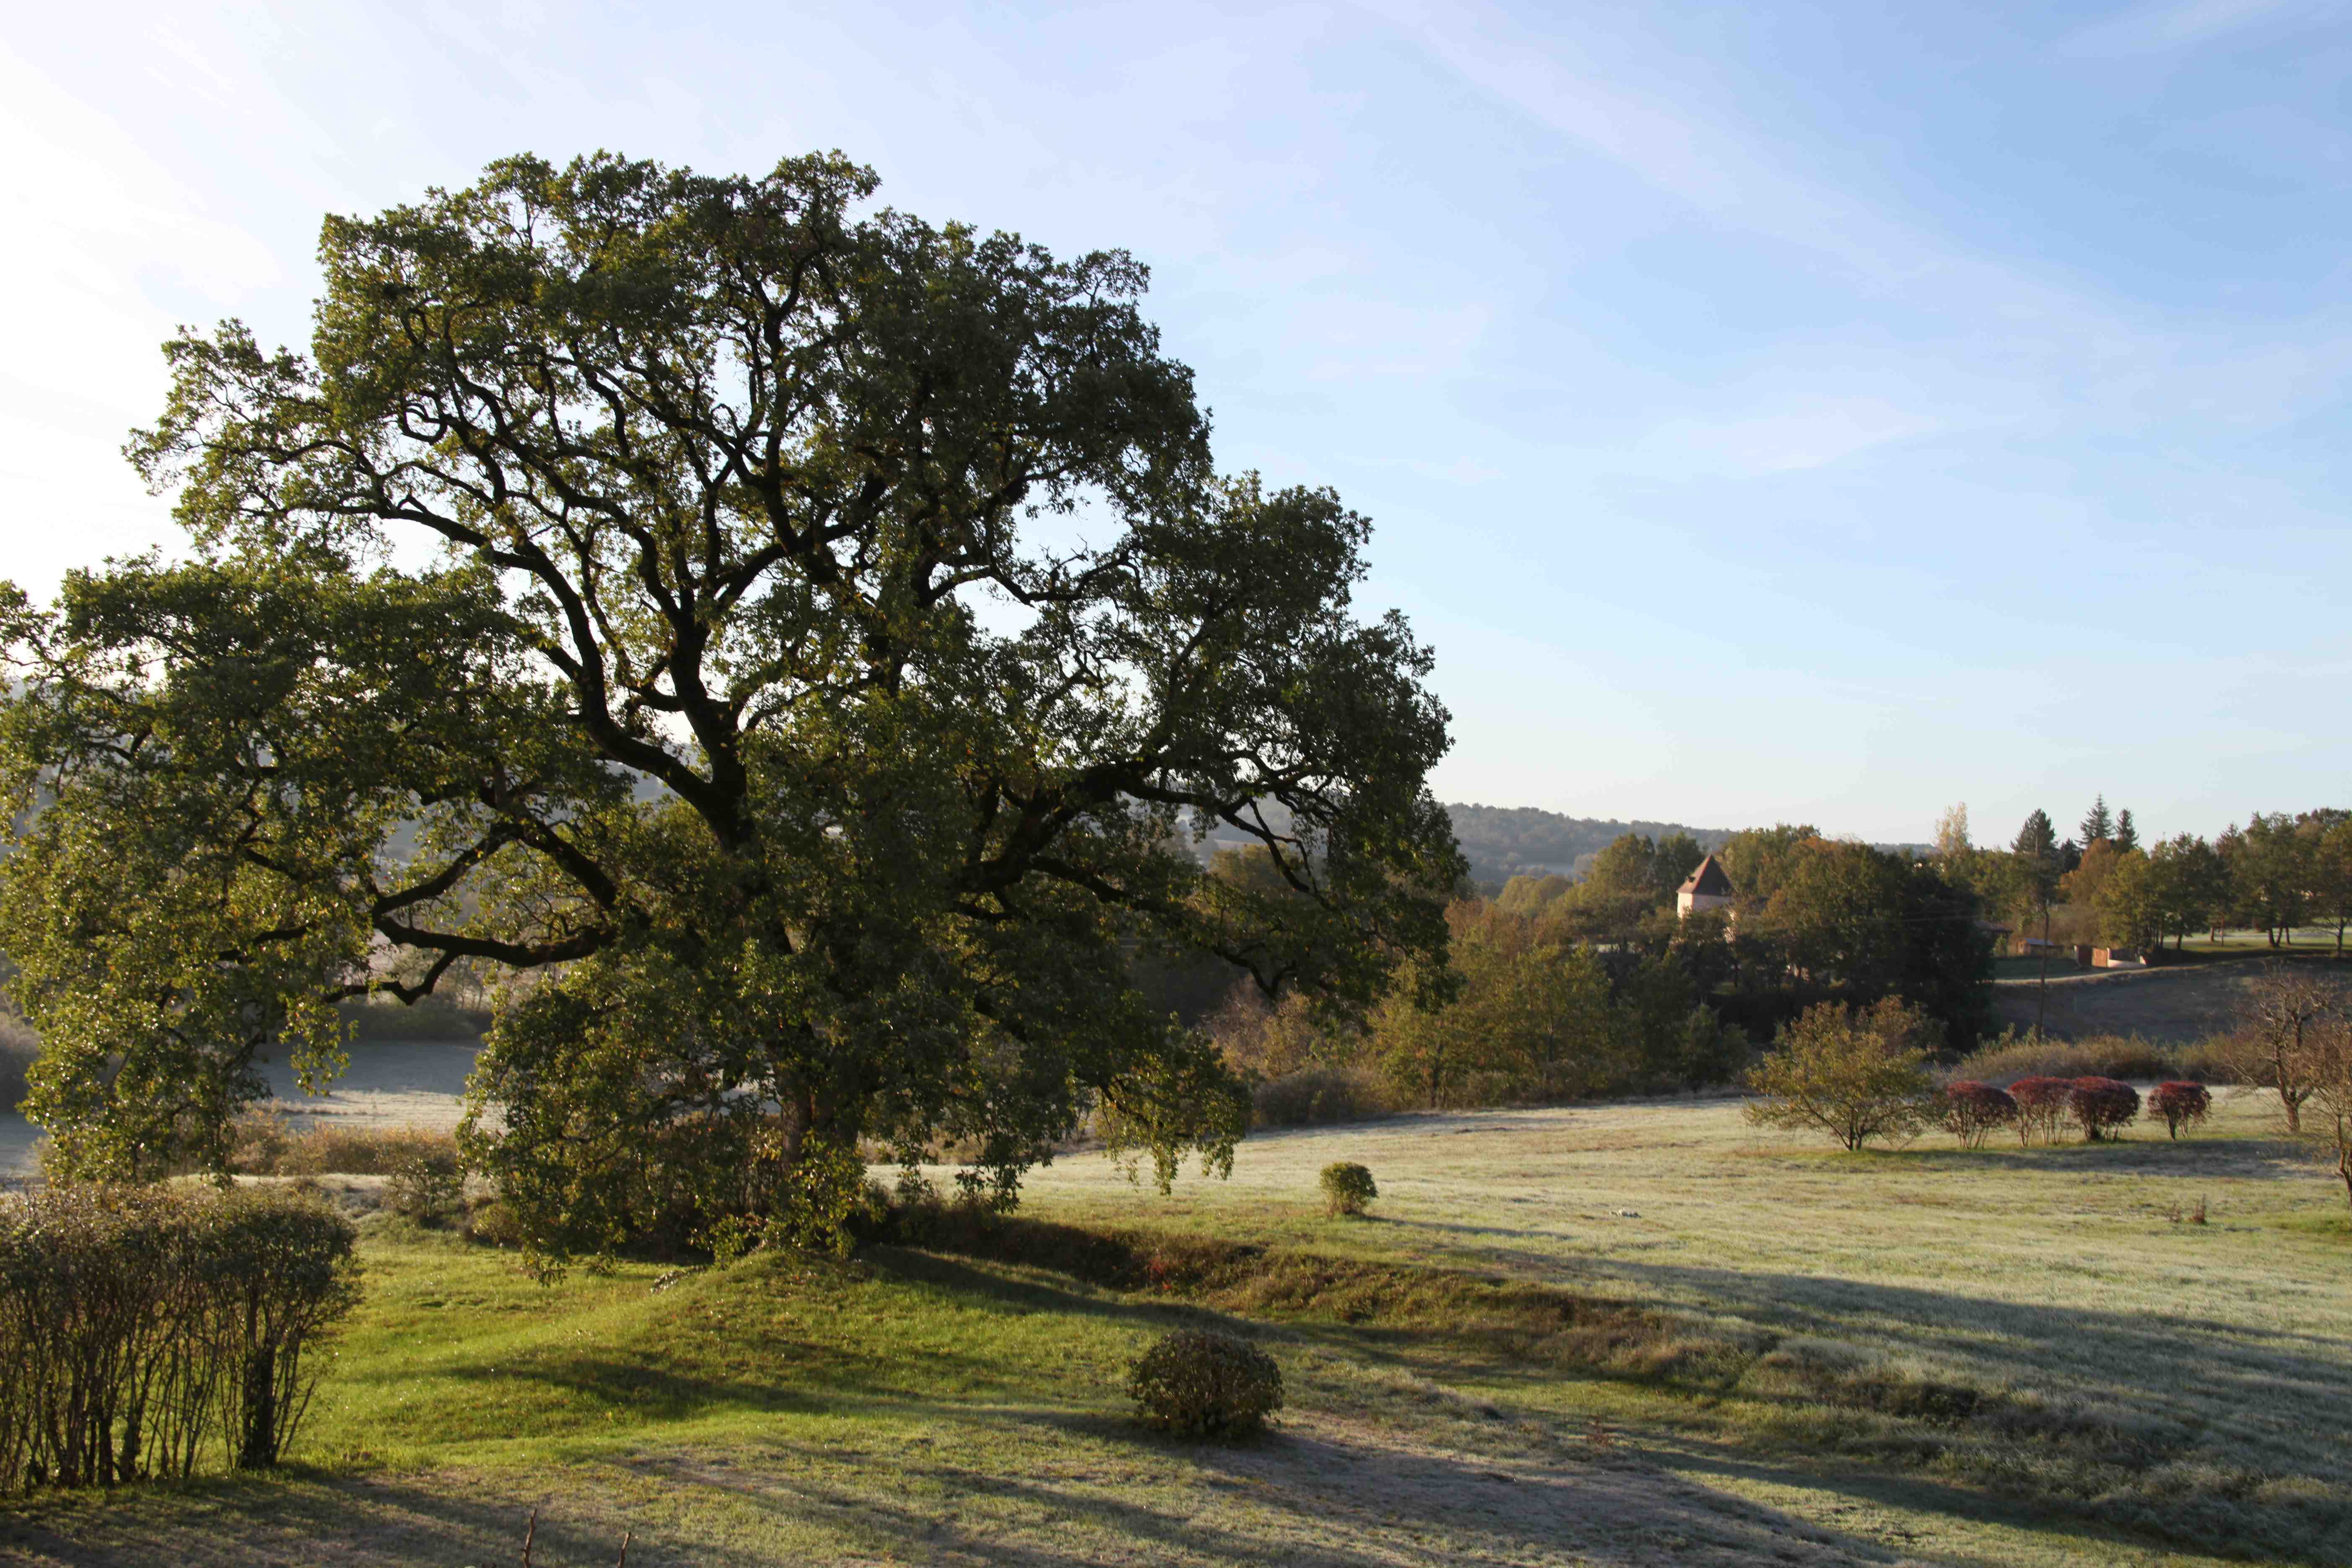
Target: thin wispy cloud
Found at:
x=2186, y=24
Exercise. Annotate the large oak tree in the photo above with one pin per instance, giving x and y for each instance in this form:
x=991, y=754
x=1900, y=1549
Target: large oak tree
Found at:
x=796, y=644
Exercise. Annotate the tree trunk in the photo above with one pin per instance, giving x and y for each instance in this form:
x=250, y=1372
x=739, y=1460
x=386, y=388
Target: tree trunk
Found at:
x=258, y=1448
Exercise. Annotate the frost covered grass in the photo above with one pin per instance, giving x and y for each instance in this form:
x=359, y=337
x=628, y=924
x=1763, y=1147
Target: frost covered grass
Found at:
x=1626, y=1334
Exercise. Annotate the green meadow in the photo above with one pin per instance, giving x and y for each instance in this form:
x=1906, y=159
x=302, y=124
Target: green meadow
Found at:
x=1633, y=1333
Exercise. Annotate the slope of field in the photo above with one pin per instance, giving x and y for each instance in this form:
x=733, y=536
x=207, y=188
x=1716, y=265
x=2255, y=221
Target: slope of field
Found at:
x=1622, y=1335
x=2170, y=1007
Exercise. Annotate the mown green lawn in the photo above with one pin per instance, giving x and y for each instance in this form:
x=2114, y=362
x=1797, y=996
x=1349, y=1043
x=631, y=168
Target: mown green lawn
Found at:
x=1627, y=1334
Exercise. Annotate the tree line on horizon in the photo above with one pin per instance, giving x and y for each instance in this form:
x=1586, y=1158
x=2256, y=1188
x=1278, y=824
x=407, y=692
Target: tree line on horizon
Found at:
x=2280, y=871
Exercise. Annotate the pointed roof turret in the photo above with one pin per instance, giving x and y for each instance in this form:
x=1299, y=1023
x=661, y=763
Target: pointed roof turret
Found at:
x=1709, y=880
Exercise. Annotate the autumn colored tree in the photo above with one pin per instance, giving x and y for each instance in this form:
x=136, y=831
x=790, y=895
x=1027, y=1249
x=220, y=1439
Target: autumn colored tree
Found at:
x=2083, y=884
x=2131, y=902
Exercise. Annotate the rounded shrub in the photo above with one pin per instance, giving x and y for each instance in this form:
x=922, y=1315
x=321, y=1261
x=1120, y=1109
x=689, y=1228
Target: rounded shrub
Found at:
x=1205, y=1385
x=2042, y=1104
x=1972, y=1111
x=1347, y=1189
x=2100, y=1105
x=2180, y=1104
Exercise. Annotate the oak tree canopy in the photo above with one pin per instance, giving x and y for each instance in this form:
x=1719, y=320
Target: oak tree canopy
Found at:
x=795, y=644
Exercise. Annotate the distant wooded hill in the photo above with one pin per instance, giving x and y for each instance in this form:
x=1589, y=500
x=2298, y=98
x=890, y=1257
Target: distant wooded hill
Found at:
x=1503, y=841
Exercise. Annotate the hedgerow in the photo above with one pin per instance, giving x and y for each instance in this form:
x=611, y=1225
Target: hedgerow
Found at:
x=146, y=1329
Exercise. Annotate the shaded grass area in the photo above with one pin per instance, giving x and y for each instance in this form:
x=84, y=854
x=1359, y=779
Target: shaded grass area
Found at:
x=1740, y=1380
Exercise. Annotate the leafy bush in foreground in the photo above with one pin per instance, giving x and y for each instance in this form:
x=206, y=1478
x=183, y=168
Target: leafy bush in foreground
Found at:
x=1856, y=1074
x=2180, y=1105
x=2042, y=1104
x=1972, y=1111
x=1347, y=1189
x=143, y=1328
x=2100, y=1105
x=1205, y=1385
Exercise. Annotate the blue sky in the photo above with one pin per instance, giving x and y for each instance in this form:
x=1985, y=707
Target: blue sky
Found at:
x=1819, y=413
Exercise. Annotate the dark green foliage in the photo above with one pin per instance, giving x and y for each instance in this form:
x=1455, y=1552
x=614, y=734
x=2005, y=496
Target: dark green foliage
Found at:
x=698, y=715
x=1205, y=1385
x=1348, y=1188
x=146, y=1327
x=2038, y=859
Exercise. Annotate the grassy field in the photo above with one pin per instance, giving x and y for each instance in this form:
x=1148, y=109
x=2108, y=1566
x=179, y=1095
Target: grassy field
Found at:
x=1624, y=1334
x=2192, y=996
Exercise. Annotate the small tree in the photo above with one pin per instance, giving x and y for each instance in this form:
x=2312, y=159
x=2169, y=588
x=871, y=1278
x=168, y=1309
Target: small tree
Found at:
x=2042, y=1104
x=1855, y=1074
x=2285, y=1006
x=2325, y=1066
x=1971, y=1110
x=2180, y=1105
x=2100, y=1105
x=1347, y=1189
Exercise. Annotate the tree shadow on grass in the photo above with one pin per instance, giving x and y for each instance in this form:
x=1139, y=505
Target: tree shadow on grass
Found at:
x=1315, y=1499
x=300, y=1518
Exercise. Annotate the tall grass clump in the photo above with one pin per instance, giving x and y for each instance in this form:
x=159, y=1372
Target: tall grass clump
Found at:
x=264, y=1144
x=149, y=1330
x=2003, y=1061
